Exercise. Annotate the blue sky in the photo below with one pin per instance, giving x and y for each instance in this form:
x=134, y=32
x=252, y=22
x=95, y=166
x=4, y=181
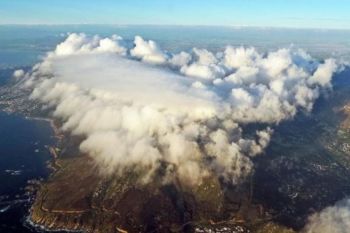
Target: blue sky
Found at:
x=260, y=13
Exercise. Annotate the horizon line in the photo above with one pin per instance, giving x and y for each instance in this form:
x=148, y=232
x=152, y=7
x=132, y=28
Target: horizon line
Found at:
x=174, y=25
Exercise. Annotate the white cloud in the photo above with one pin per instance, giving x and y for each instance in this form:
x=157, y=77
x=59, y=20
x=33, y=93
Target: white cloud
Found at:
x=240, y=57
x=197, y=70
x=204, y=66
x=184, y=116
x=17, y=74
x=148, y=51
x=334, y=219
x=204, y=57
x=323, y=74
x=80, y=43
x=180, y=59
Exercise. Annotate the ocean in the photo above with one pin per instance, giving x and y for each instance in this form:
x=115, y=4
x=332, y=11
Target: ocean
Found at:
x=23, y=157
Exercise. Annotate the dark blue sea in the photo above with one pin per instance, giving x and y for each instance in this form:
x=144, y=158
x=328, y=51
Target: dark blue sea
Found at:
x=23, y=157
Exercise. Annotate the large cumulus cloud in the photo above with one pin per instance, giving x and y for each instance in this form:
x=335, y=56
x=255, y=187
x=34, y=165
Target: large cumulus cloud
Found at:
x=179, y=115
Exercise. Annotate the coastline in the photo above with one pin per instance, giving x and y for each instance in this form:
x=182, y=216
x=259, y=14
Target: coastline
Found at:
x=31, y=154
x=41, y=228
x=54, y=166
x=54, y=127
x=53, y=149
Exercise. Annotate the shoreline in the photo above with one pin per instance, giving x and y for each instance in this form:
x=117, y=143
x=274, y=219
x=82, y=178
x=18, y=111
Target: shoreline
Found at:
x=54, y=166
x=52, y=163
x=53, y=126
x=43, y=229
x=52, y=148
